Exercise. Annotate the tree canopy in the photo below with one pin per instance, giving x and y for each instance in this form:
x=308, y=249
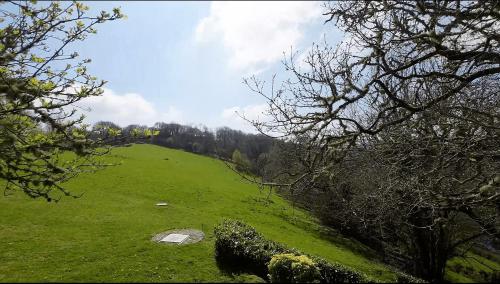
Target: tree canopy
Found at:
x=400, y=124
x=42, y=142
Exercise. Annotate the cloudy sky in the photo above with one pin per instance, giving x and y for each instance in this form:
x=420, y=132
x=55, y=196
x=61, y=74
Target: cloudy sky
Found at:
x=184, y=62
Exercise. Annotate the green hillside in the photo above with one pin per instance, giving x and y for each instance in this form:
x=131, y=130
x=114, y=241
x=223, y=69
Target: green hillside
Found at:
x=105, y=235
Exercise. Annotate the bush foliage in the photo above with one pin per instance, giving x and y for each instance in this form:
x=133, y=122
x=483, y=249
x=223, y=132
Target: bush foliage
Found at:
x=290, y=268
x=239, y=247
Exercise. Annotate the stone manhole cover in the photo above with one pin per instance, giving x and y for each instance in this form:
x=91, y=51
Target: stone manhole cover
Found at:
x=180, y=237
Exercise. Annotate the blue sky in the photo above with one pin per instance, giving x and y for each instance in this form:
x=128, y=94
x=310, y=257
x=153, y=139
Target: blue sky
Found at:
x=184, y=61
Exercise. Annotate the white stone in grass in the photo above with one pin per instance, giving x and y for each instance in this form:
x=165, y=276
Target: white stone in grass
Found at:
x=161, y=204
x=175, y=238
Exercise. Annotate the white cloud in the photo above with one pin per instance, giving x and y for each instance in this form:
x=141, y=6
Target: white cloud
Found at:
x=257, y=33
x=126, y=109
x=302, y=58
x=233, y=117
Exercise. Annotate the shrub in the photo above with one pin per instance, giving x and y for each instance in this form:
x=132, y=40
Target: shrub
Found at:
x=241, y=161
x=292, y=268
x=239, y=247
x=337, y=273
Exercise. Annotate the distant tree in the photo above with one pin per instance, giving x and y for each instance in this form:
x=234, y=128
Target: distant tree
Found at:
x=39, y=82
x=207, y=142
x=196, y=147
x=129, y=133
x=227, y=141
x=106, y=124
x=241, y=161
x=106, y=131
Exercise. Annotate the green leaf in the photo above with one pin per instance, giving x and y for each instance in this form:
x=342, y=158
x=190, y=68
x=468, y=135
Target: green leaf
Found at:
x=34, y=82
x=48, y=86
x=79, y=24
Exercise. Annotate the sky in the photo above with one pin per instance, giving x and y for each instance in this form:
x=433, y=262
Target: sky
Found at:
x=185, y=62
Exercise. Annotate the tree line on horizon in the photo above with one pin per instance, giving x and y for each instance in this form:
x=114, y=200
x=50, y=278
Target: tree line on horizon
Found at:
x=248, y=151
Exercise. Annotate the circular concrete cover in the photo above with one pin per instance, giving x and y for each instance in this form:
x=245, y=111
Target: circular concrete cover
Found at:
x=179, y=236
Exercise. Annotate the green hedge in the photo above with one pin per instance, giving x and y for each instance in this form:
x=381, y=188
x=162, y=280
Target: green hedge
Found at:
x=338, y=273
x=239, y=247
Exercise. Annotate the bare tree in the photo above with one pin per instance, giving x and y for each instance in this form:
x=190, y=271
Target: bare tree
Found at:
x=412, y=94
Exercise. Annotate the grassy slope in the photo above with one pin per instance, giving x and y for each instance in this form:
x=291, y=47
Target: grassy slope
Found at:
x=471, y=267
x=105, y=235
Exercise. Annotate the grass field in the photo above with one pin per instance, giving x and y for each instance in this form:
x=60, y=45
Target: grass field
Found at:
x=106, y=234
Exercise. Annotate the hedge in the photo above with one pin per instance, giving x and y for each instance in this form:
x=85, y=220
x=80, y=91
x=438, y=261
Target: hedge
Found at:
x=239, y=247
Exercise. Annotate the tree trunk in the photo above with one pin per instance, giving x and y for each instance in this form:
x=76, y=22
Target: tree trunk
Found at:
x=430, y=252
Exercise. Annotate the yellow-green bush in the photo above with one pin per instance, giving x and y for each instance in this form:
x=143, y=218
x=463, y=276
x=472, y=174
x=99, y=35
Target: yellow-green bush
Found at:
x=292, y=268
